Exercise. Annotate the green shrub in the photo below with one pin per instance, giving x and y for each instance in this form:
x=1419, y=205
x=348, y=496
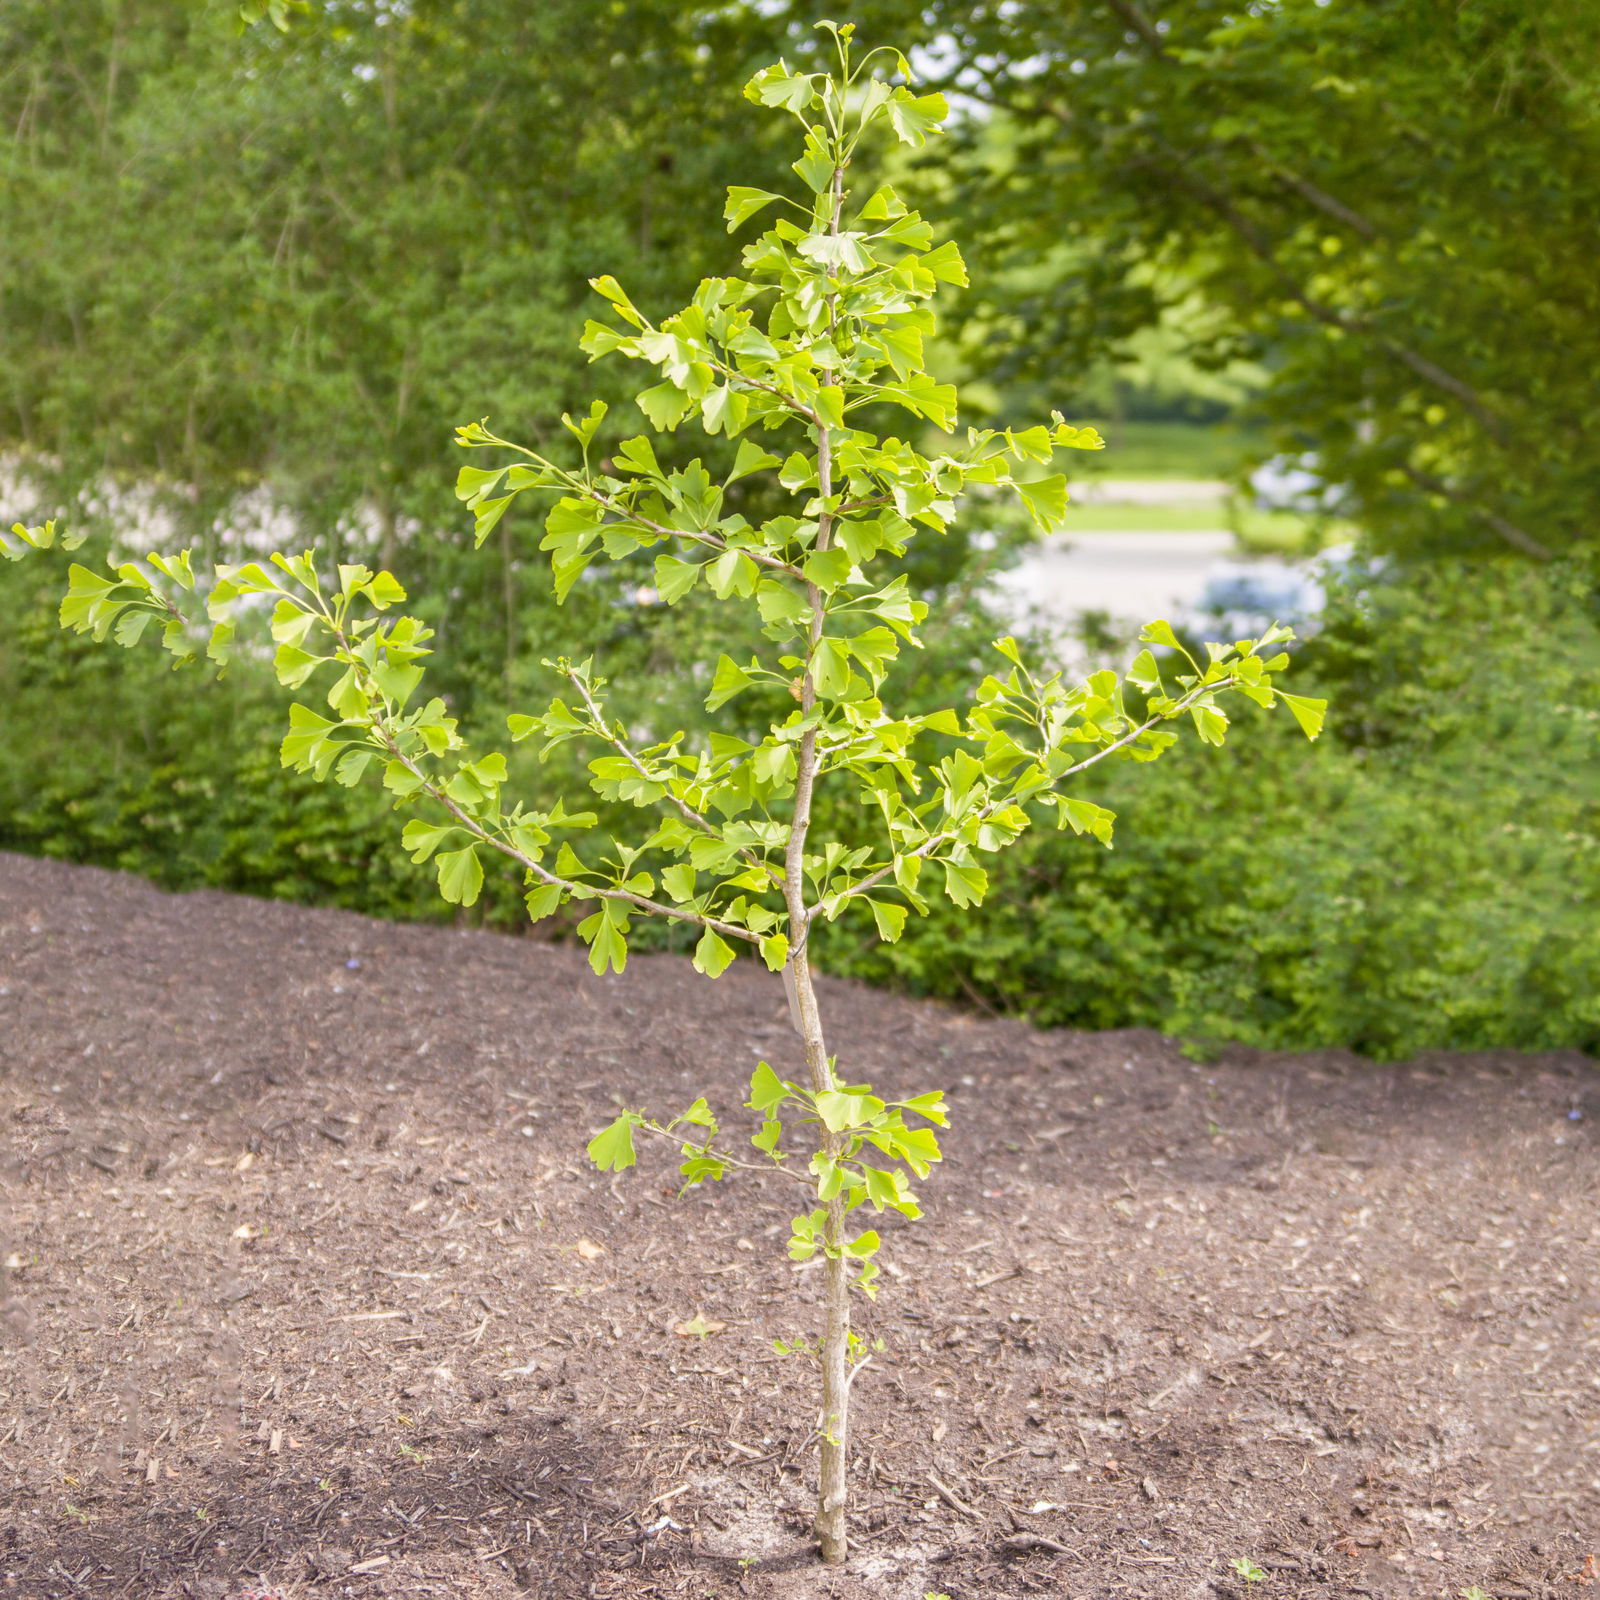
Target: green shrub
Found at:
x=1423, y=878
x=114, y=760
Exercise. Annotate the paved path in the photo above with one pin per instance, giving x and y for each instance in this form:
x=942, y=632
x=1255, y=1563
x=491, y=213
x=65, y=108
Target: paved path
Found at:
x=1130, y=575
x=1150, y=491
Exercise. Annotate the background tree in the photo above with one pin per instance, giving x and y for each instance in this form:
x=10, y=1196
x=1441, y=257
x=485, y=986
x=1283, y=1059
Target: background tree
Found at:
x=286, y=261
x=1394, y=204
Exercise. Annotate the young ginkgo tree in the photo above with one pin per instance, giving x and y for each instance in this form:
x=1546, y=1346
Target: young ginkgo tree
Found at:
x=824, y=328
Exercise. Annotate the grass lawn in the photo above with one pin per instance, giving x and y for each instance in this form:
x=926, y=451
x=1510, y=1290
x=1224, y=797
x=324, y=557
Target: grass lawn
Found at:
x=1259, y=532
x=1117, y=516
x=1171, y=449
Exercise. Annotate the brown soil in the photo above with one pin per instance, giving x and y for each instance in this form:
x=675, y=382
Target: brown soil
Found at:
x=311, y=1288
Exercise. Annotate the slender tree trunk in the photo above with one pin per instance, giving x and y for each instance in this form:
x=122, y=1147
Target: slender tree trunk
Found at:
x=833, y=1422
x=833, y=1484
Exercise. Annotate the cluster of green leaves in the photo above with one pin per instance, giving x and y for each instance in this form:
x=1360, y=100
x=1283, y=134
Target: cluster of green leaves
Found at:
x=867, y=1133
x=278, y=12
x=376, y=673
x=16, y=543
x=109, y=757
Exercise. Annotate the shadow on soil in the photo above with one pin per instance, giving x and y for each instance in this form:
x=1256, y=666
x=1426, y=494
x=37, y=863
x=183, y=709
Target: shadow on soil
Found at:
x=528, y=1497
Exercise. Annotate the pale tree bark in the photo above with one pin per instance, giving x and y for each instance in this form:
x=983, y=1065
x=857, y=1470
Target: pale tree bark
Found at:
x=833, y=1423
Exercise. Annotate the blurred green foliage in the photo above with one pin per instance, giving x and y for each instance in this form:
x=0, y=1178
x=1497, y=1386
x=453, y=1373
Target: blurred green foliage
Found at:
x=1392, y=208
x=299, y=259
x=1425, y=876
x=289, y=262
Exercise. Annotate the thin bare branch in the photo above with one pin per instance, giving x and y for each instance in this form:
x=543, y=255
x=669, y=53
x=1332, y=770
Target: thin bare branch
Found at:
x=1147, y=31
x=1179, y=168
x=1320, y=198
x=1428, y=370
x=1508, y=530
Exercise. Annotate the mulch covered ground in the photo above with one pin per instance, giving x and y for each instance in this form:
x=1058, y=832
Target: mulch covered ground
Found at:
x=309, y=1289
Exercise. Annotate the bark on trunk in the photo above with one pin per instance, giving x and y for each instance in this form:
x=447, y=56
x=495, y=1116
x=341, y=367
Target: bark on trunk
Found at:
x=833, y=1421
x=833, y=1424
x=833, y=1484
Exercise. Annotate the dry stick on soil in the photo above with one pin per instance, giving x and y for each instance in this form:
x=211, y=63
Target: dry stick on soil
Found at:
x=842, y=320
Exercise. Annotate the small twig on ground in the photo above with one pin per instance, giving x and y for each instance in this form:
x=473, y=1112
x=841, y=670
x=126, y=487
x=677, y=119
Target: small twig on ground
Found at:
x=1018, y=1543
x=951, y=1498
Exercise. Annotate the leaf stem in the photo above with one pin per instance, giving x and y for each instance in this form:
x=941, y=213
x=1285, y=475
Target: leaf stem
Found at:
x=732, y=1161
